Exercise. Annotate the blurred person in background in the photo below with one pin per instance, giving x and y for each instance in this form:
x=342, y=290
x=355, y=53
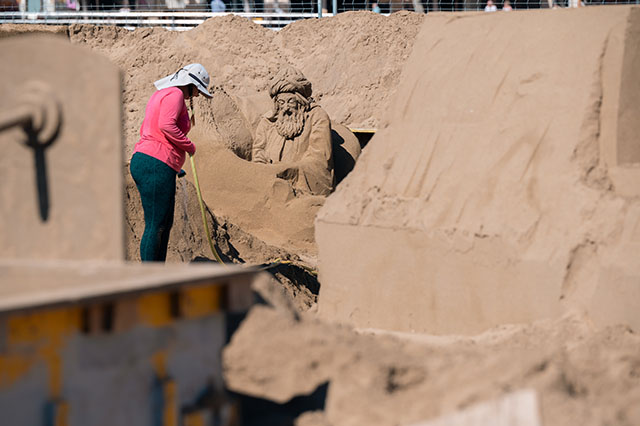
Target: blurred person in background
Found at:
x=218, y=6
x=160, y=153
x=72, y=5
x=11, y=5
x=506, y=6
x=490, y=7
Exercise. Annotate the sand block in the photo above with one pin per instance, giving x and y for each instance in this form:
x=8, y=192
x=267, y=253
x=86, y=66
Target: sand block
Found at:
x=77, y=211
x=505, y=188
x=516, y=409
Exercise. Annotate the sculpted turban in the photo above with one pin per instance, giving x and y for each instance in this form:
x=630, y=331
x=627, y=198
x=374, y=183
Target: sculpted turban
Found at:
x=290, y=80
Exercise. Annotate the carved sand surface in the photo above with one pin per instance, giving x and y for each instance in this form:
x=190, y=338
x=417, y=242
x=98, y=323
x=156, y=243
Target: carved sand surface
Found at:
x=505, y=188
x=49, y=194
x=486, y=242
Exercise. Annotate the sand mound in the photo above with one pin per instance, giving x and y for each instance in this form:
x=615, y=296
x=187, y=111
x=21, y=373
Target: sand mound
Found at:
x=10, y=30
x=353, y=60
x=188, y=243
x=495, y=195
x=251, y=196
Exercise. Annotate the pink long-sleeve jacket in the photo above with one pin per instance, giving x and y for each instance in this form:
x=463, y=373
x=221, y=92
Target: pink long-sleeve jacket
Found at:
x=163, y=134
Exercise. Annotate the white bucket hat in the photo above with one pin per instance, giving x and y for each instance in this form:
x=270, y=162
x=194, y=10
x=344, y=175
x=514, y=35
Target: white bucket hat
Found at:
x=191, y=74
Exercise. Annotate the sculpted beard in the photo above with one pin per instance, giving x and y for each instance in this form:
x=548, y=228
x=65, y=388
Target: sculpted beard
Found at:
x=290, y=121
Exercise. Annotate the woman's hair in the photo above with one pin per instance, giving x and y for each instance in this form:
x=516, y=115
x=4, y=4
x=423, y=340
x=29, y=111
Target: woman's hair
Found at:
x=192, y=114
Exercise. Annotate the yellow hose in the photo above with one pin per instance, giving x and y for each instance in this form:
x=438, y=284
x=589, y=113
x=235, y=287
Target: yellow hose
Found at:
x=202, y=211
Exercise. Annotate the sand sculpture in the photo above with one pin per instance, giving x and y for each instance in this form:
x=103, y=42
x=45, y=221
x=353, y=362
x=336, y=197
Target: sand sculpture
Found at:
x=268, y=198
x=510, y=198
x=297, y=135
x=50, y=203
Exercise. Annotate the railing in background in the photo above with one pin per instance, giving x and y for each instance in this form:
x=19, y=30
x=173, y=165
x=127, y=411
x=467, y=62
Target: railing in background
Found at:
x=177, y=21
x=186, y=14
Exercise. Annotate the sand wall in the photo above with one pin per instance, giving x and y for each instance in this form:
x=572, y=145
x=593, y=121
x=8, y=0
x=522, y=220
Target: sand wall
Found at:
x=505, y=188
x=64, y=199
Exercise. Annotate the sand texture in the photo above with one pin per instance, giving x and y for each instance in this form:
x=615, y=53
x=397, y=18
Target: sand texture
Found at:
x=493, y=197
x=493, y=219
x=353, y=61
x=59, y=206
x=581, y=376
x=188, y=243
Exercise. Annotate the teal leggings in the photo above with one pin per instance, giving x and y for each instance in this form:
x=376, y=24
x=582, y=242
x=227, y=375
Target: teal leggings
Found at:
x=156, y=184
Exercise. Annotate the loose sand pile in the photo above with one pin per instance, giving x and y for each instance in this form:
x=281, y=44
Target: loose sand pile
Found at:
x=188, y=243
x=354, y=60
x=582, y=376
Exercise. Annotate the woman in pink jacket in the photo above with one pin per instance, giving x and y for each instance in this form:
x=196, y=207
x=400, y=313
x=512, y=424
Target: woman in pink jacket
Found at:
x=160, y=153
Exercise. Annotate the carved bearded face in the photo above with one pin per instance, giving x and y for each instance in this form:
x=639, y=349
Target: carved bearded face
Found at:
x=290, y=115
